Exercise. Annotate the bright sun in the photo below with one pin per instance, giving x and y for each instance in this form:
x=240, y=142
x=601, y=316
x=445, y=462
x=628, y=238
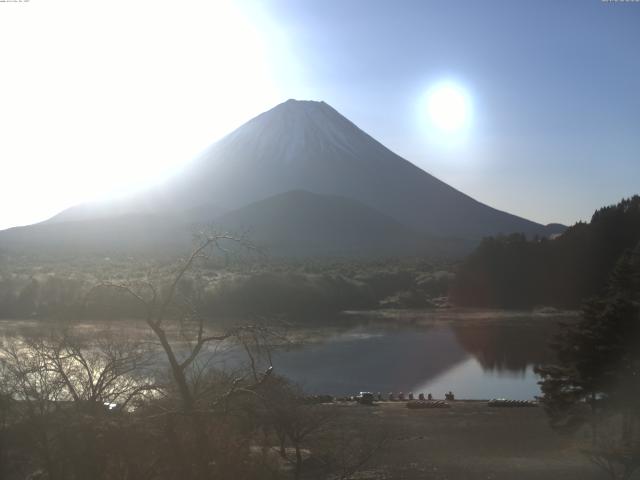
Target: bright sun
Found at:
x=448, y=107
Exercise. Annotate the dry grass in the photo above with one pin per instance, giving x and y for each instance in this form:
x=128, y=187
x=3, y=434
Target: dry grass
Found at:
x=469, y=441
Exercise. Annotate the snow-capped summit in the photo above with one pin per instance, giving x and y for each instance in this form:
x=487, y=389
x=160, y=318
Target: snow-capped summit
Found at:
x=289, y=131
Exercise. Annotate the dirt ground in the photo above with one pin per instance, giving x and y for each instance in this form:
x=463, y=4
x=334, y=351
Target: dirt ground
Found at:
x=469, y=441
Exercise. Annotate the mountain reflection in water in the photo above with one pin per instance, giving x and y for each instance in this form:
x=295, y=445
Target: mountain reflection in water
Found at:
x=483, y=361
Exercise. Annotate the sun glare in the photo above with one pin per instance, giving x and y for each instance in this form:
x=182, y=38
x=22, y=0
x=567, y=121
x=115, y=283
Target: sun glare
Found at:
x=448, y=107
x=119, y=95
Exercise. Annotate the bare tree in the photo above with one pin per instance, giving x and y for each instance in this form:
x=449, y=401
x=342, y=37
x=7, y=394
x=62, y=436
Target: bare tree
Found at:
x=60, y=384
x=184, y=333
x=39, y=393
x=64, y=367
x=6, y=409
x=348, y=450
x=335, y=447
x=292, y=420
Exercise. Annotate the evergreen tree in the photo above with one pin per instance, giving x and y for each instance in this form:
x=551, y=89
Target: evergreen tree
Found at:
x=513, y=272
x=596, y=379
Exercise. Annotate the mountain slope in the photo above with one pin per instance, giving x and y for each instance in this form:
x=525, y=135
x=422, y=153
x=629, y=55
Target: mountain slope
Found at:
x=133, y=233
x=303, y=223
x=295, y=223
x=310, y=146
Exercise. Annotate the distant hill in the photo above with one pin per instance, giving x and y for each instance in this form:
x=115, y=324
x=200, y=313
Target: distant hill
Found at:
x=298, y=146
x=296, y=224
x=133, y=233
x=300, y=223
x=511, y=271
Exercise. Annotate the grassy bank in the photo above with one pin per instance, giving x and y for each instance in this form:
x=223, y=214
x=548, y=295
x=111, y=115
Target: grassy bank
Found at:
x=468, y=441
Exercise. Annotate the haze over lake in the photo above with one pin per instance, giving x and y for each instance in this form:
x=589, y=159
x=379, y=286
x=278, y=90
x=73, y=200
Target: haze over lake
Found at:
x=485, y=358
x=477, y=354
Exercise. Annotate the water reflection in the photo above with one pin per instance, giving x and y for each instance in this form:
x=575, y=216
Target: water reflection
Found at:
x=470, y=380
x=506, y=348
x=483, y=361
x=389, y=360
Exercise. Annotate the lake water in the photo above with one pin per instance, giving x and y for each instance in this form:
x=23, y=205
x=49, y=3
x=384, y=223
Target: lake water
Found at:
x=475, y=360
x=475, y=354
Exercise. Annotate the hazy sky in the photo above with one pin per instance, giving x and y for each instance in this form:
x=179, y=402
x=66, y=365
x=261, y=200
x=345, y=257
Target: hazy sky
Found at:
x=97, y=97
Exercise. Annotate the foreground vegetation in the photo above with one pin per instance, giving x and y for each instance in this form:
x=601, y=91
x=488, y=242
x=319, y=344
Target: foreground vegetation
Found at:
x=596, y=378
x=74, y=409
x=100, y=408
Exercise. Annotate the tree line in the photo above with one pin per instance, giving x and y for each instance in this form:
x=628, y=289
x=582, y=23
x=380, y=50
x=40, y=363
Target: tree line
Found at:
x=515, y=272
x=59, y=291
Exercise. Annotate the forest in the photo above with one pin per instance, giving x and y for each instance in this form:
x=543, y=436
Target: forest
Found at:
x=306, y=289
x=515, y=272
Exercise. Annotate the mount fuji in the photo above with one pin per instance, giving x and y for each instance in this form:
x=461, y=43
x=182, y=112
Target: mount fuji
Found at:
x=303, y=154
